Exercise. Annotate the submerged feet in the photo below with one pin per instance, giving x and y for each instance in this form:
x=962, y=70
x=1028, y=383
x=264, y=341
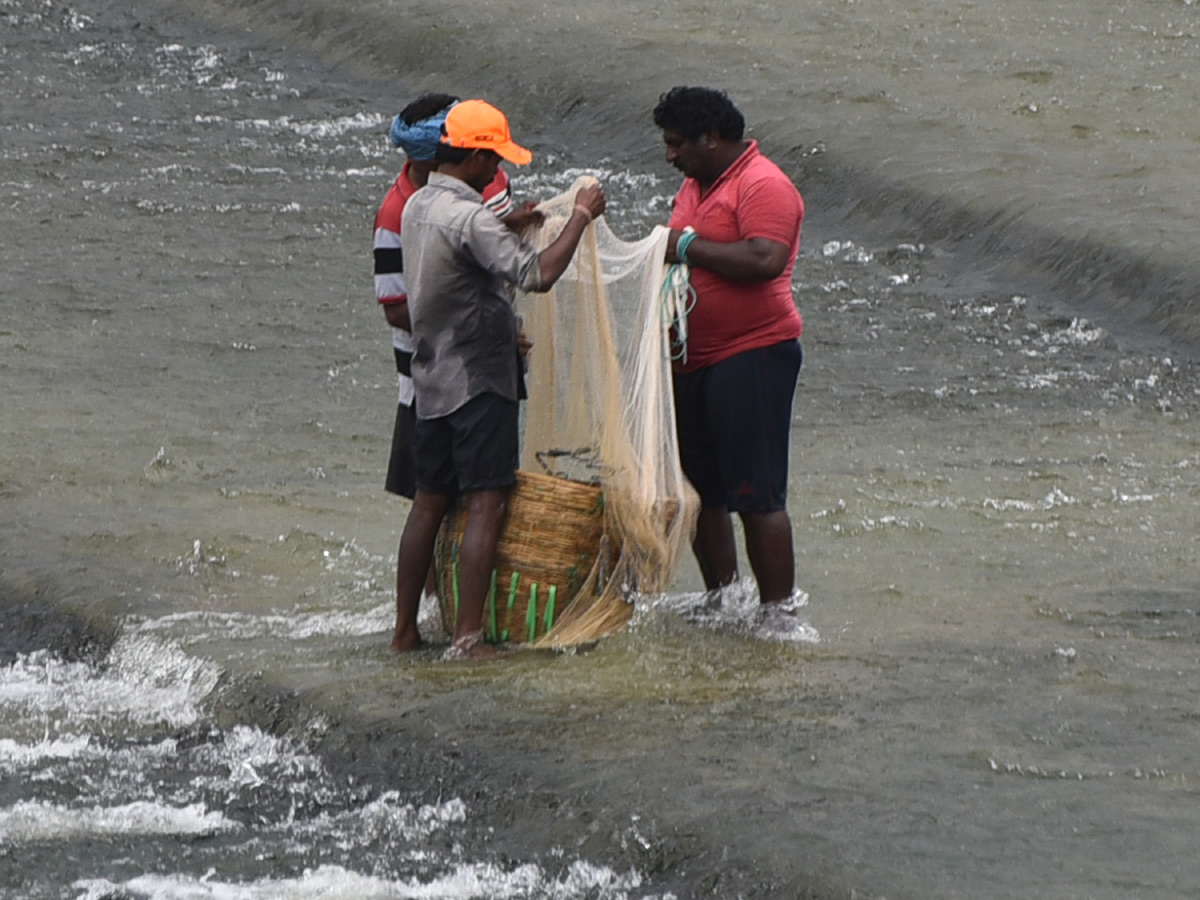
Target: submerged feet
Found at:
x=781, y=621
x=406, y=638
x=459, y=650
x=736, y=607
x=471, y=646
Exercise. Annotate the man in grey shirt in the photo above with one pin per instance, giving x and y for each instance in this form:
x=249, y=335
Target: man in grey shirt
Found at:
x=459, y=261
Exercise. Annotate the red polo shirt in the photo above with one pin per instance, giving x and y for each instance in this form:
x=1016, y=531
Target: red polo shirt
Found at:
x=753, y=198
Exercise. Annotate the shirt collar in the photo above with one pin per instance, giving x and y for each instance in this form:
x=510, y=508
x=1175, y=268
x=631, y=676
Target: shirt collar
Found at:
x=454, y=185
x=735, y=167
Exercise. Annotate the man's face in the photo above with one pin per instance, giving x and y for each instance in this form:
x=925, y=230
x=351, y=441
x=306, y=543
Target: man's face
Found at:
x=485, y=164
x=689, y=156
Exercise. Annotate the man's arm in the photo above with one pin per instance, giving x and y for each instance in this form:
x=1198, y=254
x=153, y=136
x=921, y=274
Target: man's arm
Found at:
x=553, y=261
x=397, y=315
x=749, y=260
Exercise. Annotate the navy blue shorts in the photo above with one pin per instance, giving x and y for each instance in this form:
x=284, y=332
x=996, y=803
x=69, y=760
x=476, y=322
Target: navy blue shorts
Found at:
x=402, y=472
x=475, y=448
x=734, y=419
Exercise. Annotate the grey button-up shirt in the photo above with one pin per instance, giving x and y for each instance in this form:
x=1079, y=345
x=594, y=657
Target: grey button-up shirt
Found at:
x=459, y=260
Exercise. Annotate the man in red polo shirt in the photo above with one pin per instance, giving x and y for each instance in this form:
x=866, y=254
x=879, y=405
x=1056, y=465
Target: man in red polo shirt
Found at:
x=736, y=221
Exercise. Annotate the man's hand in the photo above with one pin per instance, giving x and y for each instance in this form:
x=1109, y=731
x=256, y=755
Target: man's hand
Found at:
x=592, y=199
x=553, y=261
x=523, y=216
x=672, y=254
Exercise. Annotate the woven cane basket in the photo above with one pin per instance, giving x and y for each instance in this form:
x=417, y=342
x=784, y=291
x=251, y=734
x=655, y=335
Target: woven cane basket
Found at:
x=552, y=540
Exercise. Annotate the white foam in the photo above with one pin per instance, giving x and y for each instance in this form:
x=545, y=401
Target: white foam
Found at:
x=14, y=754
x=1039, y=381
x=147, y=682
x=1054, y=499
x=466, y=882
x=1079, y=333
x=247, y=756
x=847, y=250
x=888, y=521
x=1120, y=497
x=38, y=822
x=320, y=129
x=385, y=818
x=556, y=180
x=631, y=195
x=292, y=626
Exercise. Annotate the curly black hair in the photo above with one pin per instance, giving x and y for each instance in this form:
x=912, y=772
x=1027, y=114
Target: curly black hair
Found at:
x=425, y=106
x=695, y=111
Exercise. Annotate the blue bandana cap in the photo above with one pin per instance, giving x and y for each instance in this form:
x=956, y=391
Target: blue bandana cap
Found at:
x=420, y=140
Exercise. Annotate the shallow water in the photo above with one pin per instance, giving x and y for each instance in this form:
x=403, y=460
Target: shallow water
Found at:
x=994, y=470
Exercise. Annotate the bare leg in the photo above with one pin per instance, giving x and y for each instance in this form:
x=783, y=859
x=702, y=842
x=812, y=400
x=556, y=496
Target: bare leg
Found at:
x=412, y=564
x=769, y=547
x=477, y=558
x=714, y=547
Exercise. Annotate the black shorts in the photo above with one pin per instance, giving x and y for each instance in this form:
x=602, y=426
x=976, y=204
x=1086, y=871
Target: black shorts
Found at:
x=475, y=448
x=402, y=472
x=734, y=419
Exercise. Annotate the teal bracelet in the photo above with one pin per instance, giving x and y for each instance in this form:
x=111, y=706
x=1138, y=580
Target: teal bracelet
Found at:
x=681, y=246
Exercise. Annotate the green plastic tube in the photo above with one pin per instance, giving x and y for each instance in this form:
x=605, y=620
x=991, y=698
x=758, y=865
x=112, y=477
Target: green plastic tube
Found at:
x=512, y=599
x=549, y=620
x=531, y=612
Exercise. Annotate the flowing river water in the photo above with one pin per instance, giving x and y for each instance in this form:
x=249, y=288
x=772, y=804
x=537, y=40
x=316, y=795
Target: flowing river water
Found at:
x=993, y=491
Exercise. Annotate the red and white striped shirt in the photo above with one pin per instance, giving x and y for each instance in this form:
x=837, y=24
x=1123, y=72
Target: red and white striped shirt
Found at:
x=389, y=260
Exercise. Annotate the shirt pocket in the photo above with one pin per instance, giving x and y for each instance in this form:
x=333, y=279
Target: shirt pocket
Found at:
x=718, y=219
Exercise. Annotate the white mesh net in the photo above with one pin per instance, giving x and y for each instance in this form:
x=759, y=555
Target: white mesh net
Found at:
x=601, y=407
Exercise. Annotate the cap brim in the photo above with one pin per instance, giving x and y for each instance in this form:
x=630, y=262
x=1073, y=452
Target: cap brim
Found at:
x=514, y=153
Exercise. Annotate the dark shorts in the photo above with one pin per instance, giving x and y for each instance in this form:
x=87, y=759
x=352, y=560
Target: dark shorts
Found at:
x=475, y=448
x=402, y=472
x=734, y=419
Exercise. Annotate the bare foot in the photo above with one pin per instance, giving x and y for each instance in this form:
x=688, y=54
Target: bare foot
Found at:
x=780, y=621
x=405, y=639
x=471, y=646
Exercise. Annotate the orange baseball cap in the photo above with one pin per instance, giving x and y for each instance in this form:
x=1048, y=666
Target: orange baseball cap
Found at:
x=476, y=125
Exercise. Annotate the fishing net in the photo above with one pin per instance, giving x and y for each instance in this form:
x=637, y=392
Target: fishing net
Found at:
x=601, y=510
